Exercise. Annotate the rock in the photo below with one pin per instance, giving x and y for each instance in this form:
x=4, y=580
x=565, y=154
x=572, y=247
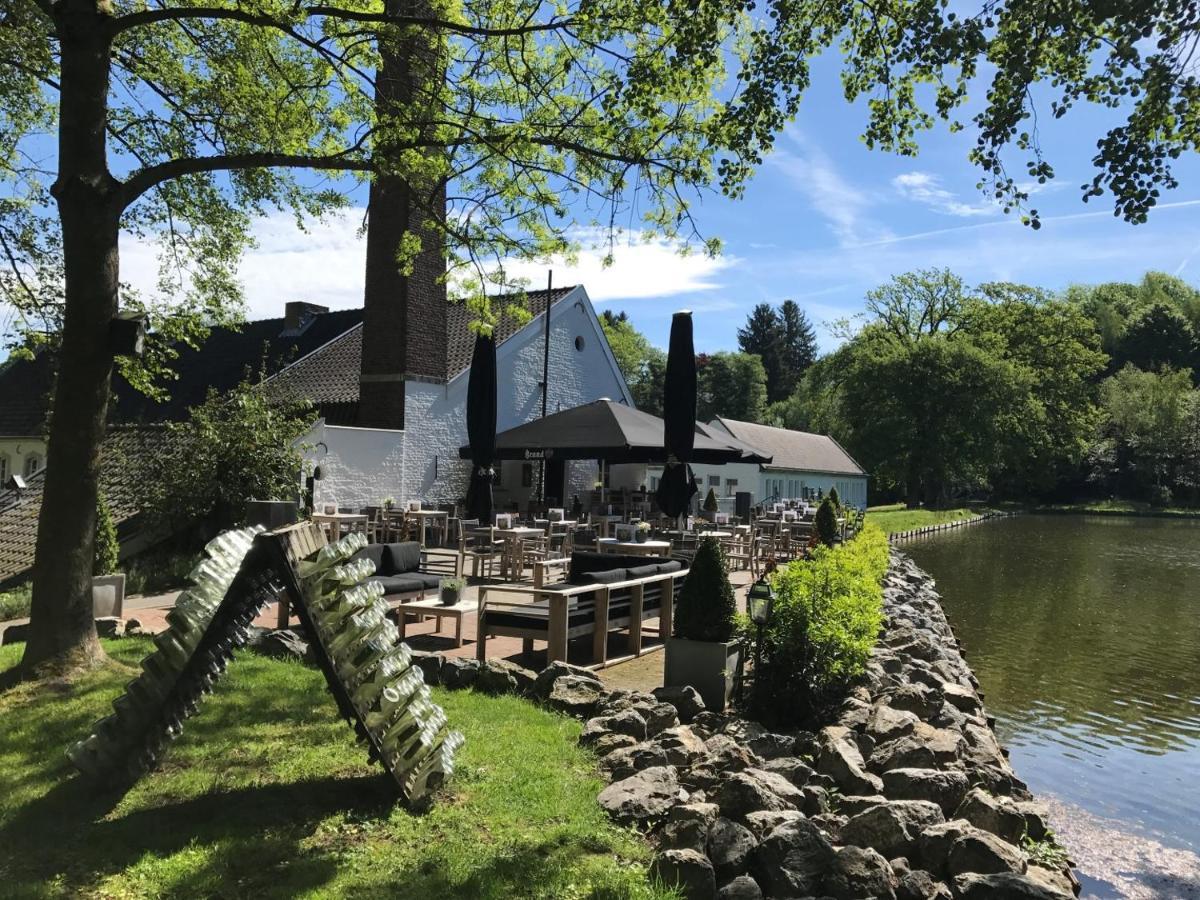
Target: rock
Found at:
x=109, y=626
x=624, y=722
x=658, y=716
x=852, y=806
x=689, y=870
x=945, y=788
x=792, y=860
x=1004, y=886
x=458, y=673
x=840, y=758
x=740, y=794
x=546, y=679
x=765, y=821
x=926, y=748
x=831, y=824
x=686, y=700
x=892, y=828
x=772, y=746
x=859, y=873
x=1053, y=879
x=933, y=846
x=816, y=800
x=683, y=835
x=999, y=815
x=681, y=745
x=919, y=699
x=283, y=644
x=741, y=888
x=887, y=724
x=1035, y=818
x=729, y=847
x=620, y=764
x=791, y=768
x=704, y=813
x=430, y=665
x=728, y=756
x=133, y=627
x=706, y=723
x=920, y=885
x=981, y=851
x=961, y=698
x=573, y=695
x=610, y=743
x=647, y=795
x=981, y=748
x=499, y=676
x=853, y=714
x=779, y=786
x=15, y=634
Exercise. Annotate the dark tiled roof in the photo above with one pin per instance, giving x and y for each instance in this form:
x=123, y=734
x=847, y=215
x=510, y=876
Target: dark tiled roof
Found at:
x=794, y=449
x=24, y=389
x=329, y=376
x=119, y=456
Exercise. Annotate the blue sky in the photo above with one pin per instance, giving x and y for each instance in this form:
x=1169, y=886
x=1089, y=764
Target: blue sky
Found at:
x=824, y=221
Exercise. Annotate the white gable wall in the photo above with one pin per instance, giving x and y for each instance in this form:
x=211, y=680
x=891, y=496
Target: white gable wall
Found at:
x=435, y=414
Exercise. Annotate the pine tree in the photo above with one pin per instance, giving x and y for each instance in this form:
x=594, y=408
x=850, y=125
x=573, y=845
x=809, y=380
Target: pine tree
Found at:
x=797, y=350
x=825, y=522
x=763, y=336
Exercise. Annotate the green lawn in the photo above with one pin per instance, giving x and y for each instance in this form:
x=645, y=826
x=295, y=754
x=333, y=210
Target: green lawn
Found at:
x=267, y=795
x=1122, y=508
x=897, y=518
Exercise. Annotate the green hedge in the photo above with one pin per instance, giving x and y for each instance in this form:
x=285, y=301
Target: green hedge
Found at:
x=827, y=616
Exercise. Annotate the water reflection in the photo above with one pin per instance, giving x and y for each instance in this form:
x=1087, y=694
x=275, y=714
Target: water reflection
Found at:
x=1084, y=633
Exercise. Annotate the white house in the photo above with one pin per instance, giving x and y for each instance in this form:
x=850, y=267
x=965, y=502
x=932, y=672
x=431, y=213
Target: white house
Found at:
x=362, y=464
x=802, y=465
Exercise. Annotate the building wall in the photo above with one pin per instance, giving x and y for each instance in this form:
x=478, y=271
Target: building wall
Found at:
x=789, y=483
x=428, y=465
x=361, y=466
x=15, y=454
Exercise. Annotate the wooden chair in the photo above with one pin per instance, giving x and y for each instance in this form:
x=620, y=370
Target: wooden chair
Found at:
x=479, y=544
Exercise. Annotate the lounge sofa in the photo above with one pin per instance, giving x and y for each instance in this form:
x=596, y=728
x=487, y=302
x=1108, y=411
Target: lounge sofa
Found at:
x=400, y=568
x=602, y=592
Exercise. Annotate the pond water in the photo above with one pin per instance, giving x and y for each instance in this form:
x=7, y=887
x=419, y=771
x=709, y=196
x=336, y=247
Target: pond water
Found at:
x=1084, y=632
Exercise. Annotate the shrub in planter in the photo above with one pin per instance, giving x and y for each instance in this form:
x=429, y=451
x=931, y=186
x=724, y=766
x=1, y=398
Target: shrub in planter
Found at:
x=825, y=620
x=835, y=498
x=107, y=548
x=703, y=652
x=710, y=504
x=450, y=590
x=825, y=522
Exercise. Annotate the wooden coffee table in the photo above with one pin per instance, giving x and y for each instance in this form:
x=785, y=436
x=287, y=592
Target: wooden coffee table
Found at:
x=433, y=608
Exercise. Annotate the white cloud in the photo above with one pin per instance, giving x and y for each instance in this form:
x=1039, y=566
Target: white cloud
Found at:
x=846, y=207
x=324, y=264
x=926, y=188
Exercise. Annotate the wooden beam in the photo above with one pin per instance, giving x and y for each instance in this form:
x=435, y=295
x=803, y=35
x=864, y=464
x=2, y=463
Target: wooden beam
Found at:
x=666, y=612
x=636, y=597
x=557, y=650
x=600, y=628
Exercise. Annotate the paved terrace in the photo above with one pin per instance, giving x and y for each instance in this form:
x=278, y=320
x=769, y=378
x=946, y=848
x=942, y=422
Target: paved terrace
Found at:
x=643, y=672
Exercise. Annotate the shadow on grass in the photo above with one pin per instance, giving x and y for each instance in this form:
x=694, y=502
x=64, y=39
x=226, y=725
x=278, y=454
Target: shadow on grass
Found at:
x=71, y=835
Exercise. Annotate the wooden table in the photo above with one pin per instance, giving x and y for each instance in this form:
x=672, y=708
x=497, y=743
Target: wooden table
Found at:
x=719, y=535
x=433, y=608
x=634, y=548
x=510, y=560
x=605, y=520
x=332, y=522
x=425, y=516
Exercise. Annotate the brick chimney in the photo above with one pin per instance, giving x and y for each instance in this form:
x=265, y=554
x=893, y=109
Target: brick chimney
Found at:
x=297, y=315
x=404, y=317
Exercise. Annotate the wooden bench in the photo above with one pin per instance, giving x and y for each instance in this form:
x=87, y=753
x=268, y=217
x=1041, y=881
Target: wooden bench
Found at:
x=560, y=612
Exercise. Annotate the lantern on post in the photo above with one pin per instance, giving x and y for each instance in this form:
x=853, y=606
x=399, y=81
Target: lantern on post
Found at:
x=760, y=601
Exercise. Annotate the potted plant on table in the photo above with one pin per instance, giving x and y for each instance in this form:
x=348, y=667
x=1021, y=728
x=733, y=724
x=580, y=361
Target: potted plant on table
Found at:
x=642, y=533
x=450, y=591
x=702, y=652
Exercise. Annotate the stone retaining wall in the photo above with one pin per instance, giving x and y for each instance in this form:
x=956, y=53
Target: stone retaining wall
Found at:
x=907, y=794
x=947, y=526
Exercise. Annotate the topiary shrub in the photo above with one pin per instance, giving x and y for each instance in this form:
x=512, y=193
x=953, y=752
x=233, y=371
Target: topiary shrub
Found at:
x=107, y=548
x=825, y=620
x=706, y=608
x=835, y=498
x=825, y=522
x=710, y=501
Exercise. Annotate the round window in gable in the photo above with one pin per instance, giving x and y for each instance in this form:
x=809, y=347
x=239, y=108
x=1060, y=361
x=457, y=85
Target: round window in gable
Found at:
x=579, y=342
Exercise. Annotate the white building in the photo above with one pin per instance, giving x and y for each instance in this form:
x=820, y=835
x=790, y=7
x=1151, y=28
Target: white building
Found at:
x=803, y=465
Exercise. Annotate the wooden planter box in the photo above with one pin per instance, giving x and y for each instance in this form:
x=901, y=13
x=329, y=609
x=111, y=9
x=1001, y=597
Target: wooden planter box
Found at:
x=708, y=666
x=108, y=595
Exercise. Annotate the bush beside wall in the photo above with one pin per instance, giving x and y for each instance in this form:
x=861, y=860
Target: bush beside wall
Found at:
x=827, y=616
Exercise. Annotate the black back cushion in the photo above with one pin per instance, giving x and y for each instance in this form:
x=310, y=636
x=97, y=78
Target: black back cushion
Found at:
x=404, y=557
x=373, y=552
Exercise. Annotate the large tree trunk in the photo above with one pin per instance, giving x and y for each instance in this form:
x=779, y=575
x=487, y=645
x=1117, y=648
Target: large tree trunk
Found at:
x=62, y=635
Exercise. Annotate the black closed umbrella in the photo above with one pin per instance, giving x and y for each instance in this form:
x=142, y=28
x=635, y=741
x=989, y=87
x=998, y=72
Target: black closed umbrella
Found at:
x=677, y=487
x=481, y=428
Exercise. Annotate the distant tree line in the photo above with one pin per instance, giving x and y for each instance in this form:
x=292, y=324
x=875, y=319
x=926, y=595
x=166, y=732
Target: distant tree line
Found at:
x=944, y=391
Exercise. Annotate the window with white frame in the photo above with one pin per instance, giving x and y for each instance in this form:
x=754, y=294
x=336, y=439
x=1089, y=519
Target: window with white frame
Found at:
x=714, y=480
x=730, y=487
x=33, y=462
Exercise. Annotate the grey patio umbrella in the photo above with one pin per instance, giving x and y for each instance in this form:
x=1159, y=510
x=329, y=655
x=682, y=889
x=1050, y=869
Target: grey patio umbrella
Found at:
x=481, y=428
x=678, y=485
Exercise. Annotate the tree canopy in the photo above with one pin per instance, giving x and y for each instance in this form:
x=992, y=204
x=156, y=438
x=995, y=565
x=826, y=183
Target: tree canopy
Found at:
x=643, y=365
x=733, y=385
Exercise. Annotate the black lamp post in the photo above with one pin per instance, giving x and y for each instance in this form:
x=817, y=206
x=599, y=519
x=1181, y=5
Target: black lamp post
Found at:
x=759, y=602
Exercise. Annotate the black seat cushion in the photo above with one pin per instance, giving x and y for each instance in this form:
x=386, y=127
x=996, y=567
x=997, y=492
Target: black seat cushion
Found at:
x=373, y=552
x=607, y=576
x=643, y=570
x=403, y=557
x=671, y=565
x=401, y=584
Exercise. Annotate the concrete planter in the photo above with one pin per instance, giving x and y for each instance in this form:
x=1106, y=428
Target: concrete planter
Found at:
x=108, y=595
x=708, y=666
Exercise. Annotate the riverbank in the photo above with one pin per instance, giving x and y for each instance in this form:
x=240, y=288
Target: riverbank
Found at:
x=897, y=518
x=1117, y=508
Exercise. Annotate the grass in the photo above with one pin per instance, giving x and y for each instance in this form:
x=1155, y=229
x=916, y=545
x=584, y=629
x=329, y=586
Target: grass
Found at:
x=267, y=795
x=1121, y=508
x=14, y=604
x=899, y=518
